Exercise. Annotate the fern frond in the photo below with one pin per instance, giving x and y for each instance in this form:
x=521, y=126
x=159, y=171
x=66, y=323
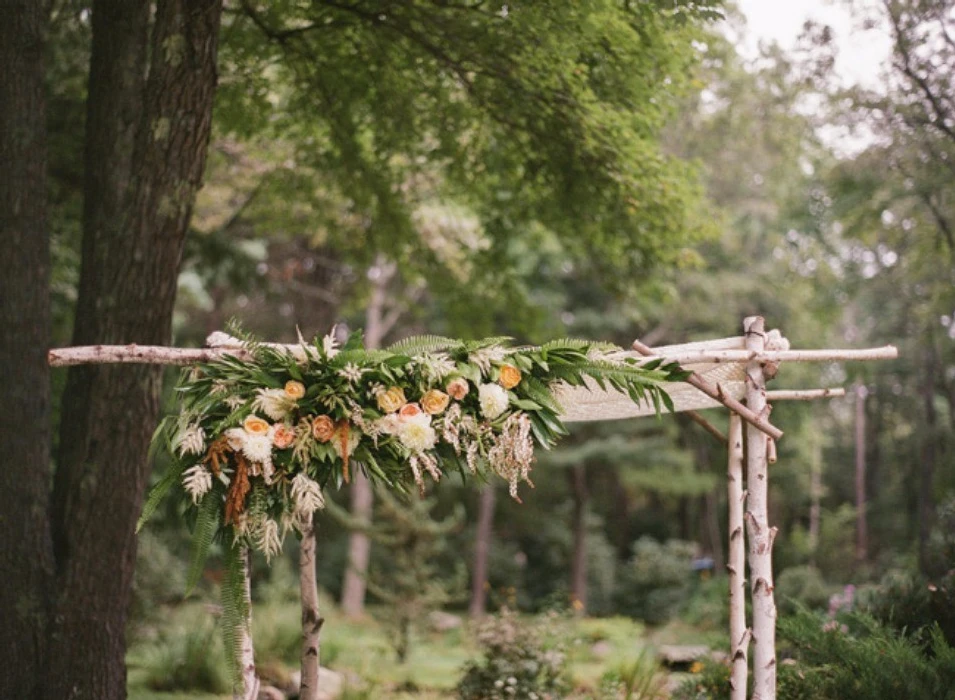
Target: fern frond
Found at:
x=158, y=492
x=473, y=345
x=207, y=524
x=415, y=345
x=235, y=612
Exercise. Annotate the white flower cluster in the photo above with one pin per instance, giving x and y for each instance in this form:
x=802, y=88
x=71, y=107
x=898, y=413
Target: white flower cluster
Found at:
x=191, y=441
x=493, y=400
x=435, y=367
x=275, y=403
x=197, y=481
x=307, y=496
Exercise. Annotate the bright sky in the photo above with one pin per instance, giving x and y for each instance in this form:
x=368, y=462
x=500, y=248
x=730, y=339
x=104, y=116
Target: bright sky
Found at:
x=862, y=55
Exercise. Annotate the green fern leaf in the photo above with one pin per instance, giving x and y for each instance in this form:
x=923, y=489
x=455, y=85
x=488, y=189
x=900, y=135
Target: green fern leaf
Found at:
x=418, y=344
x=235, y=612
x=207, y=524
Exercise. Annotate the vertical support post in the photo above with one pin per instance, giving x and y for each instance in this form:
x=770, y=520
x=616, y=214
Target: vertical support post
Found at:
x=761, y=535
x=862, y=528
x=736, y=562
x=312, y=620
x=250, y=682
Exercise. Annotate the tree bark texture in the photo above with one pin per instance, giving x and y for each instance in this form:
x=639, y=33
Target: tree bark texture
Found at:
x=26, y=557
x=146, y=147
x=482, y=549
x=311, y=616
x=760, y=534
x=736, y=566
x=578, y=571
x=250, y=681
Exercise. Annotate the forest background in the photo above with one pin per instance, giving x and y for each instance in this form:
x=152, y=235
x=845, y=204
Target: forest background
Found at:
x=614, y=171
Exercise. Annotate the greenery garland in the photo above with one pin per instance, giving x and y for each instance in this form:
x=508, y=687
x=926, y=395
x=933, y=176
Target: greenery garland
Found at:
x=257, y=442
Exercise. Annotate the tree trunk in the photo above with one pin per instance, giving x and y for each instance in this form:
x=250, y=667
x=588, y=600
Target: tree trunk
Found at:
x=736, y=567
x=311, y=616
x=926, y=500
x=250, y=681
x=578, y=572
x=145, y=154
x=362, y=497
x=761, y=535
x=26, y=556
x=482, y=547
x=862, y=529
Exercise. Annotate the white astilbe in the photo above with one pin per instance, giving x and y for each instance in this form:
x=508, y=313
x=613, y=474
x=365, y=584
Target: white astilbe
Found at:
x=302, y=447
x=219, y=386
x=267, y=538
x=191, y=441
x=435, y=366
x=473, y=452
x=197, y=481
x=415, y=464
x=450, y=429
x=512, y=452
x=485, y=356
x=375, y=389
x=274, y=403
x=330, y=345
x=234, y=402
x=351, y=373
x=307, y=496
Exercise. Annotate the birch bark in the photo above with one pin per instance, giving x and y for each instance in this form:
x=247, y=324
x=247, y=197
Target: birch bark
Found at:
x=736, y=497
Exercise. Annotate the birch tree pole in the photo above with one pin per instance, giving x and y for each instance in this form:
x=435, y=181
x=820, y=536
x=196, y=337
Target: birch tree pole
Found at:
x=736, y=566
x=250, y=681
x=312, y=620
x=760, y=534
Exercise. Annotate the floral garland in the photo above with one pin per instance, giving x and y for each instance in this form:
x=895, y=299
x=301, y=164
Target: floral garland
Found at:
x=256, y=442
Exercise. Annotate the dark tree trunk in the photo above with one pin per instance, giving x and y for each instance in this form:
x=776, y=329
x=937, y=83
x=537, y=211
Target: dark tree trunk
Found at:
x=482, y=548
x=26, y=557
x=578, y=571
x=146, y=149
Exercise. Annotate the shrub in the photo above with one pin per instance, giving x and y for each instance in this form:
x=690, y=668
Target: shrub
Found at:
x=712, y=682
x=801, y=586
x=656, y=580
x=187, y=659
x=520, y=660
x=860, y=659
x=158, y=579
x=639, y=679
x=912, y=603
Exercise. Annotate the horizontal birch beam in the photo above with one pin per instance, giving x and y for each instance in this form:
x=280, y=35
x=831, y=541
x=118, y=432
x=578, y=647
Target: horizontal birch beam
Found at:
x=138, y=355
x=887, y=352
x=804, y=394
x=715, y=391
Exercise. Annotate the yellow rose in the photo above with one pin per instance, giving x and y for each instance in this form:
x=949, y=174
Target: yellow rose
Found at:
x=323, y=428
x=510, y=376
x=294, y=390
x=391, y=400
x=434, y=402
x=255, y=426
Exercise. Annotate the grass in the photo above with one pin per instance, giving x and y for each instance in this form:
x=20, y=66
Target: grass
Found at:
x=360, y=651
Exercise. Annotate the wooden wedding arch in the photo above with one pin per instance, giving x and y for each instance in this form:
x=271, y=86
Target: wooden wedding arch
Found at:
x=728, y=373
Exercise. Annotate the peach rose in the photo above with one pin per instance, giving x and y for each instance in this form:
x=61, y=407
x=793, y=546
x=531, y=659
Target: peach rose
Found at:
x=294, y=390
x=283, y=436
x=409, y=410
x=323, y=428
x=434, y=402
x=458, y=388
x=255, y=426
x=391, y=400
x=509, y=377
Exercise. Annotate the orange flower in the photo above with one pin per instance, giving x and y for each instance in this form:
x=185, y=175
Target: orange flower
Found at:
x=255, y=426
x=510, y=376
x=283, y=436
x=458, y=388
x=294, y=390
x=409, y=410
x=323, y=428
x=391, y=400
x=434, y=402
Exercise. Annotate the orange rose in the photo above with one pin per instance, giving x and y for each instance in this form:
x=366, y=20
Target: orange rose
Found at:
x=458, y=388
x=294, y=390
x=255, y=426
x=283, y=436
x=323, y=428
x=434, y=402
x=409, y=410
x=391, y=400
x=510, y=376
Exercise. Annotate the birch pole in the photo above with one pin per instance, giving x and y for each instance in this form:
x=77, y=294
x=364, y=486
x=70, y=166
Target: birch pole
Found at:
x=312, y=620
x=250, y=681
x=761, y=535
x=736, y=562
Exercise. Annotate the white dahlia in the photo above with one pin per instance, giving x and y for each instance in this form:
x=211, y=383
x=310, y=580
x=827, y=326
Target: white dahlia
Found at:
x=274, y=403
x=258, y=448
x=417, y=435
x=493, y=400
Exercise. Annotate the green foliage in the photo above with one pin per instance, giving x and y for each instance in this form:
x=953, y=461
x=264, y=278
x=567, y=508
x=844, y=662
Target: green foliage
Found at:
x=910, y=603
x=520, y=659
x=187, y=660
x=158, y=579
x=639, y=679
x=711, y=683
x=655, y=582
x=867, y=661
x=235, y=611
x=801, y=586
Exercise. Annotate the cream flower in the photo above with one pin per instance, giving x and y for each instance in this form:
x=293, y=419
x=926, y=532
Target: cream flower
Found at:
x=307, y=496
x=388, y=425
x=391, y=399
x=258, y=448
x=417, y=435
x=354, y=437
x=197, y=481
x=275, y=403
x=294, y=390
x=434, y=402
x=493, y=400
x=236, y=437
x=191, y=441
